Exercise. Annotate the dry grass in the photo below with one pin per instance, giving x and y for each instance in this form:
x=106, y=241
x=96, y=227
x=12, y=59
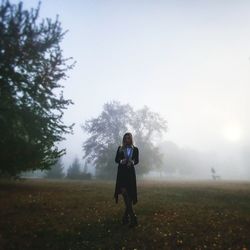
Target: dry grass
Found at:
x=42, y=214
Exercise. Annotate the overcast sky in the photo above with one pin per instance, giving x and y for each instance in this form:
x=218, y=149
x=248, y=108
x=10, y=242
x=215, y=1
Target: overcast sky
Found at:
x=187, y=60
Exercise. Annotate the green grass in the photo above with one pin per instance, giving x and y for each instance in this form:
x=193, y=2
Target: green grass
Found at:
x=42, y=214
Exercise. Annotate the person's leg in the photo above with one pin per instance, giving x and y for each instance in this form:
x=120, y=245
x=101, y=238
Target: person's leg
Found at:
x=124, y=195
x=125, y=219
x=129, y=205
x=133, y=217
x=129, y=209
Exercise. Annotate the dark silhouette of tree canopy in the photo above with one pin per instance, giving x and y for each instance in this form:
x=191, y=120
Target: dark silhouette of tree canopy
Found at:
x=31, y=66
x=56, y=171
x=106, y=132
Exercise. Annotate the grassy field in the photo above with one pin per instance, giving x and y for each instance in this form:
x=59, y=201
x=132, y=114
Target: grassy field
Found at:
x=42, y=214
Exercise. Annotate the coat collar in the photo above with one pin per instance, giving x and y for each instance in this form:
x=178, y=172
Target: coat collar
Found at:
x=132, y=146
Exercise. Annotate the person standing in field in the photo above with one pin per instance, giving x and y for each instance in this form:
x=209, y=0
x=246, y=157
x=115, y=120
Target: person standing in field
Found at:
x=127, y=156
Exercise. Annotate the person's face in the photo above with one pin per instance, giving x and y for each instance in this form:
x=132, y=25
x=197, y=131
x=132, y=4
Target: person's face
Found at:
x=128, y=140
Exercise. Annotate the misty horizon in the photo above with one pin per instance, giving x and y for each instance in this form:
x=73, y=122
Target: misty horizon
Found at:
x=187, y=61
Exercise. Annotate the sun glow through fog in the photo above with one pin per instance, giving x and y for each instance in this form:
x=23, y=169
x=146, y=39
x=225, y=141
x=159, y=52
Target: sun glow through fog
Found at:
x=232, y=132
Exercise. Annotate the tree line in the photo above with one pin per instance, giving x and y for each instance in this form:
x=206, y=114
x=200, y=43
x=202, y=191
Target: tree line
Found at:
x=74, y=171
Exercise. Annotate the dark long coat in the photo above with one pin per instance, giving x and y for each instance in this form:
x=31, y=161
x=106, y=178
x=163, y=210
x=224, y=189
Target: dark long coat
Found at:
x=126, y=176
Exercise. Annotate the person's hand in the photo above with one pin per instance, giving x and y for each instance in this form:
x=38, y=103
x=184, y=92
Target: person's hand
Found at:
x=123, y=161
x=130, y=163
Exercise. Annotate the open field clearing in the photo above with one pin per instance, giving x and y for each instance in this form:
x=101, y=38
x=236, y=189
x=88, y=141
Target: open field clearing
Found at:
x=42, y=214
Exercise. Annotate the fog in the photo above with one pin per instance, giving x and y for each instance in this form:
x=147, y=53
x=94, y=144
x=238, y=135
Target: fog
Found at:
x=186, y=60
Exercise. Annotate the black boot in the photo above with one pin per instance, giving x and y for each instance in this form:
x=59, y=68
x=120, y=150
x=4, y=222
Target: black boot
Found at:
x=125, y=219
x=132, y=215
x=133, y=221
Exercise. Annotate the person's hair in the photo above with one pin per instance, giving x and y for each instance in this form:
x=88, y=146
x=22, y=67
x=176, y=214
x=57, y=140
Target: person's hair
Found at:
x=123, y=139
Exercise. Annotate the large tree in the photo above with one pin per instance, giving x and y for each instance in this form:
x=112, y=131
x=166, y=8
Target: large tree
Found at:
x=106, y=132
x=147, y=125
x=31, y=107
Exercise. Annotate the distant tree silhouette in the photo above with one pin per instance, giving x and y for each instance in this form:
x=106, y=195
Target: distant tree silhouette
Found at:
x=31, y=66
x=106, y=132
x=146, y=125
x=74, y=171
x=56, y=171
